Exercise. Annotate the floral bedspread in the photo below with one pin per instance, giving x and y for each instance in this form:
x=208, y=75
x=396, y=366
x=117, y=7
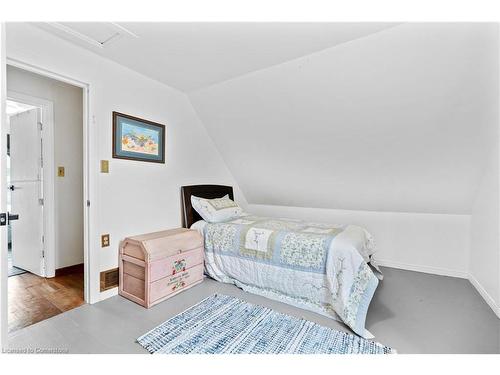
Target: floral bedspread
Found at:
x=319, y=267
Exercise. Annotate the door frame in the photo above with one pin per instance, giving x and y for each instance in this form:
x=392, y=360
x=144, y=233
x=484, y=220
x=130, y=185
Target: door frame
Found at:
x=3, y=193
x=90, y=178
x=48, y=179
x=91, y=187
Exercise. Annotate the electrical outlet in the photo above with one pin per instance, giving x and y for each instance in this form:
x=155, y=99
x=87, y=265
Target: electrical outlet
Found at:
x=60, y=171
x=105, y=240
x=104, y=166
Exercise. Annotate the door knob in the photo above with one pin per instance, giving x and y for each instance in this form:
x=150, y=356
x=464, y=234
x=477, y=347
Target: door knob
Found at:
x=11, y=217
x=7, y=217
x=12, y=187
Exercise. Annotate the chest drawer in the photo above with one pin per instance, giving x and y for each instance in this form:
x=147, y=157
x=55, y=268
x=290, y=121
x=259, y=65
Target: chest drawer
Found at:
x=175, y=264
x=164, y=287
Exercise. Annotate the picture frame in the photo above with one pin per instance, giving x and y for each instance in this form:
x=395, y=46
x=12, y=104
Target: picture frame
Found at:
x=138, y=139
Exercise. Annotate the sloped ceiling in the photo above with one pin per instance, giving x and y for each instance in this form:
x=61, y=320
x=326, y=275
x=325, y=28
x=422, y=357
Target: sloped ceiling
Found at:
x=394, y=121
x=367, y=116
x=189, y=56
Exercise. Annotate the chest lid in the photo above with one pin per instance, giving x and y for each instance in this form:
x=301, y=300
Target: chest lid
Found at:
x=158, y=245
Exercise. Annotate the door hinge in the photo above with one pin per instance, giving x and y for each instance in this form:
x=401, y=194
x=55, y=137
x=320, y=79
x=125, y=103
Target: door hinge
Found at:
x=41, y=152
x=40, y=125
x=43, y=239
x=88, y=203
x=43, y=253
x=40, y=201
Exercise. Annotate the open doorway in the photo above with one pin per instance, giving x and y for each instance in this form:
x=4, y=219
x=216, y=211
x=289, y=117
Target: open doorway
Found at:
x=45, y=197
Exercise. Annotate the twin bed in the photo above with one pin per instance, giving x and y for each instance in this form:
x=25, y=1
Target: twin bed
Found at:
x=319, y=267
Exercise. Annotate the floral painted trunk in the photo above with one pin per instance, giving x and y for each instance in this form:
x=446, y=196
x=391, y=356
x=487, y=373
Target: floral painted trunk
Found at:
x=156, y=266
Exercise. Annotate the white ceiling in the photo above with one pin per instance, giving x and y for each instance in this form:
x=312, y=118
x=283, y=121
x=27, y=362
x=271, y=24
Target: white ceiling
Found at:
x=189, y=56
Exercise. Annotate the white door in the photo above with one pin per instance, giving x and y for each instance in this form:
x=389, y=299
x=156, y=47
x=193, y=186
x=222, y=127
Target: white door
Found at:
x=26, y=191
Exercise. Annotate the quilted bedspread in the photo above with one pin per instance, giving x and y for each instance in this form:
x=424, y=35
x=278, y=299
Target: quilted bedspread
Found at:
x=315, y=266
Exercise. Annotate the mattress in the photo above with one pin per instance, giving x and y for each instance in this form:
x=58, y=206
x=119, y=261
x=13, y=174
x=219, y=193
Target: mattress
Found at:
x=320, y=267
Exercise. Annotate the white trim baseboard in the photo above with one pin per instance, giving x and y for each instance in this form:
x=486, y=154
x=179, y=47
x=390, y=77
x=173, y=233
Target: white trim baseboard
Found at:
x=425, y=269
x=489, y=300
x=445, y=272
x=108, y=293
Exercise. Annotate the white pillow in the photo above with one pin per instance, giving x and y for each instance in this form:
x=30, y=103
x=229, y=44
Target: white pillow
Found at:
x=216, y=210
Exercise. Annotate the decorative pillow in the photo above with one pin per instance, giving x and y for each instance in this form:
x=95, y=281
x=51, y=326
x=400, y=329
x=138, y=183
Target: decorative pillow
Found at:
x=216, y=210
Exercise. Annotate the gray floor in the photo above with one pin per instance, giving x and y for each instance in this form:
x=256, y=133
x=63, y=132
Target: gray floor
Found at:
x=411, y=312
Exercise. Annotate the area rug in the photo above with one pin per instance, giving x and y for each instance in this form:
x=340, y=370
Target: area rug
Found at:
x=227, y=325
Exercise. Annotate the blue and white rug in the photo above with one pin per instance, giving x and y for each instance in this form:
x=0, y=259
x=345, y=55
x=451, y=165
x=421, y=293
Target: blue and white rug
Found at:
x=226, y=325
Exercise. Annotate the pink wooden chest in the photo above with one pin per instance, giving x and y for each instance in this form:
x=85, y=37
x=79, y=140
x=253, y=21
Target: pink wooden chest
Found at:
x=156, y=266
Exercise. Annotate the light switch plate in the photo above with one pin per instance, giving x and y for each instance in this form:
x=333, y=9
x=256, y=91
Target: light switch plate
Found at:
x=104, y=166
x=105, y=240
x=60, y=171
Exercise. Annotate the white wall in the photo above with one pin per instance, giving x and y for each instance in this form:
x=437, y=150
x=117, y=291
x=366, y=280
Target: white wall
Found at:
x=484, y=261
x=484, y=258
x=433, y=243
x=135, y=197
x=68, y=152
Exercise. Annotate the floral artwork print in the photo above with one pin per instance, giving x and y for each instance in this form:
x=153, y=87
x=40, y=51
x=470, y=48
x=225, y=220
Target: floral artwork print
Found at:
x=138, y=139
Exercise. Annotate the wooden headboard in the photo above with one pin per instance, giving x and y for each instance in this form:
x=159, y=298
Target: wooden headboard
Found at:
x=189, y=214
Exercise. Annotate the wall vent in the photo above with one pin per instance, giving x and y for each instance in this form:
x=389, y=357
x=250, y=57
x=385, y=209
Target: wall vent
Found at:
x=109, y=279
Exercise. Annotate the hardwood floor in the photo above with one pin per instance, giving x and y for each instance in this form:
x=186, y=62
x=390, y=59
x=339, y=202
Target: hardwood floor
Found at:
x=33, y=298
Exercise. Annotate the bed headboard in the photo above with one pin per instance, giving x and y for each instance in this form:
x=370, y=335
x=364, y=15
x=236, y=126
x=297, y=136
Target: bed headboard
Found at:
x=189, y=214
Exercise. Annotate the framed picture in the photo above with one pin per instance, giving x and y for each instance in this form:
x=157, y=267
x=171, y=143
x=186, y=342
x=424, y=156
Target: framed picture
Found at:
x=138, y=139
